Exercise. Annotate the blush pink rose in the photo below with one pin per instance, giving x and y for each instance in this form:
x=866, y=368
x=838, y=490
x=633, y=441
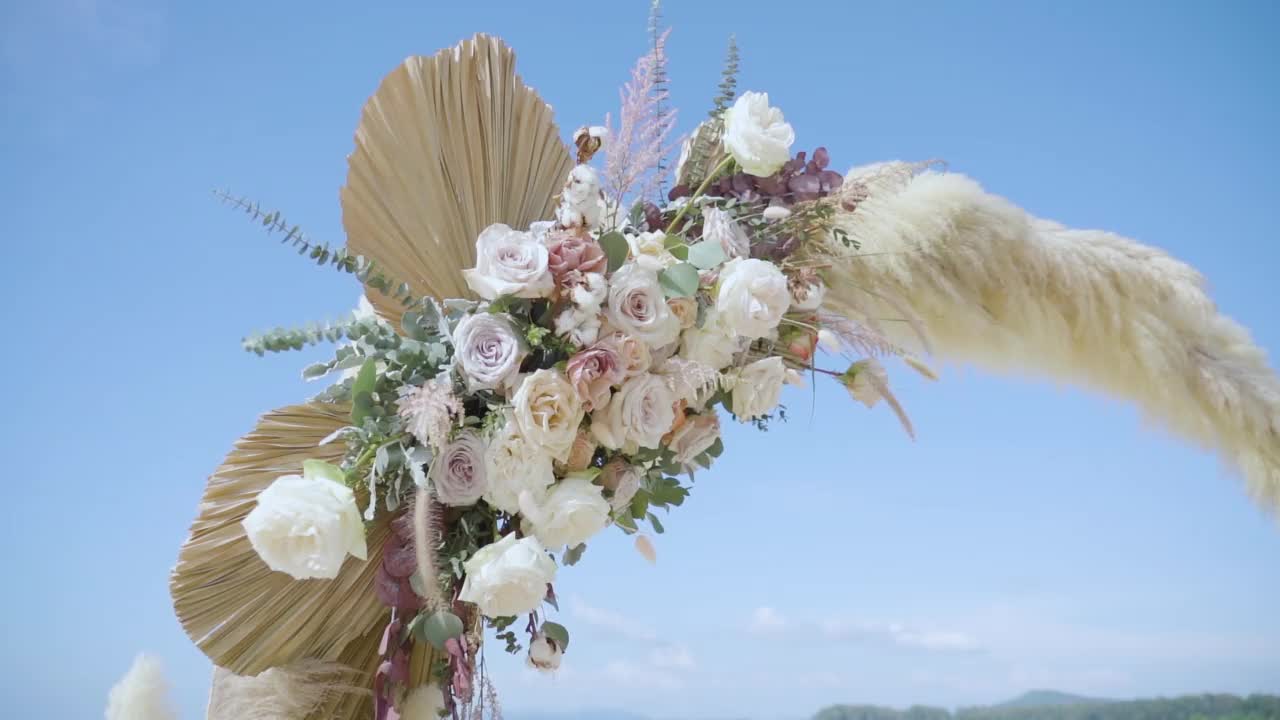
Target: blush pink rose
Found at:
x=574, y=251
x=593, y=372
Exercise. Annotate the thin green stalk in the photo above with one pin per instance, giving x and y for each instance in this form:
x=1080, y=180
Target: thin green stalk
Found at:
x=724, y=164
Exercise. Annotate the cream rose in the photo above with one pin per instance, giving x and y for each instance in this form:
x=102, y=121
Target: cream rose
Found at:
x=757, y=387
x=649, y=251
x=572, y=512
x=640, y=413
x=712, y=344
x=548, y=412
x=508, y=577
x=753, y=297
x=638, y=307
x=488, y=350
x=514, y=466
x=756, y=135
x=425, y=702
x=306, y=525
x=509, y=262
x=458, y=472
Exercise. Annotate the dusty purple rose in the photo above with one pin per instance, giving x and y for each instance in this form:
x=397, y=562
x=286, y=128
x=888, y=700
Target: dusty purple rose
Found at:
x=458, y=472
x=593, y=373
x=571, y=251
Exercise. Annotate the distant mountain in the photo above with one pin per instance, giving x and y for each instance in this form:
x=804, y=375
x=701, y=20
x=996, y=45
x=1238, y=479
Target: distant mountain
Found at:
x=592, y=714
x=1044, y=698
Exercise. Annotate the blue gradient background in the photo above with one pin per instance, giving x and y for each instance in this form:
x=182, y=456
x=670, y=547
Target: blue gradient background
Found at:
x=1032, y=537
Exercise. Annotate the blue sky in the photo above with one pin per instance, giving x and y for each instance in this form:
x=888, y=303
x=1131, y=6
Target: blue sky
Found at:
x=1033, y=536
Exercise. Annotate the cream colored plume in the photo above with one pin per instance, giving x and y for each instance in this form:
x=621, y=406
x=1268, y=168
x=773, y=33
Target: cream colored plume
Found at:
x=290, y=692
x=992, y=285
x=142, y=694
x=447, y=146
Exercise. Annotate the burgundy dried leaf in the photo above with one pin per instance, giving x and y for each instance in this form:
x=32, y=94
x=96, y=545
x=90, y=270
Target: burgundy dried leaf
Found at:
x=398, y=559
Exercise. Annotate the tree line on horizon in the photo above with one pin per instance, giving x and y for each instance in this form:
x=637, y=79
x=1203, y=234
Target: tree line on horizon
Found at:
x=1189, y=707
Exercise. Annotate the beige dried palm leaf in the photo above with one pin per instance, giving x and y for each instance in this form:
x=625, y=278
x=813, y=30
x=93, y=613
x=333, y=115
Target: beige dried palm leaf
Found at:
x=447, y=146
x=244, y=616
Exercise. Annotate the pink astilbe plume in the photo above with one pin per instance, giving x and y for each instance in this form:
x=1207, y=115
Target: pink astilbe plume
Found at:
x=636, y=149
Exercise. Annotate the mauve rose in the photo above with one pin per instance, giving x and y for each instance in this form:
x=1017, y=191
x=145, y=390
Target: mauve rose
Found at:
x=693, y=437
x=622, y=480
x=593, y=373
x=633, y=355
x=571, y=251
x=458, y=473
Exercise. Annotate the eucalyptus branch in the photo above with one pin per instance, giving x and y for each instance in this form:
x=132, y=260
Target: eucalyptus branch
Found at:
x=322, y=253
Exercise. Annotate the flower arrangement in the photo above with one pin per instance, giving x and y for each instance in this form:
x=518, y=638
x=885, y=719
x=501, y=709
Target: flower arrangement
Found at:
x=559, y=360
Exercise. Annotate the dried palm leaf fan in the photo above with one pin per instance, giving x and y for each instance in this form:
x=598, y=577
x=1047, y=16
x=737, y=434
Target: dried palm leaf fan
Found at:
x=448, y=145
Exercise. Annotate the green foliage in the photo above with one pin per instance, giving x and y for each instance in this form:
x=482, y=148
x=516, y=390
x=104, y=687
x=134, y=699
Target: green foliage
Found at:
x=438, y=628
x=680, y=280
x=321, y=253
x=728, y=81
x=556, y=632
x=615, y=249
x=661, y=89
x=284, y=339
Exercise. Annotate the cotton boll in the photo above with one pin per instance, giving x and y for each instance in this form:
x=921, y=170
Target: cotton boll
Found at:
x=142, y=694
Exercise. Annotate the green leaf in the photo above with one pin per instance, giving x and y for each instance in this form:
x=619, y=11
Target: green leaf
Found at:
x=315, y=371
x=574, y=554
x=639, y=505
x=556, y=632
x=716, y=448
x=319, y=469
x=615, y=249
x=706, y=255
x=679, y=280
x=362, y=391
x=657, y=524
x=439, y=627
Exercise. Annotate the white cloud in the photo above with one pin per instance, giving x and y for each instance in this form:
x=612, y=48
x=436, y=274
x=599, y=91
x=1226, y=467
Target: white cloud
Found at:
x=621, y=625
x=766, y=620
x=673, y=657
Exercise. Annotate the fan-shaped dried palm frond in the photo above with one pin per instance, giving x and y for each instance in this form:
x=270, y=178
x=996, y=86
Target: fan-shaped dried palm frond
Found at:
x=447, y=146
x=243, y=615
x=1000, y=288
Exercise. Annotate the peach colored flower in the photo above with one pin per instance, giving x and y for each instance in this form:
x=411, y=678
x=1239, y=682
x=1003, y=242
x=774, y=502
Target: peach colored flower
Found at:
x=593, y=372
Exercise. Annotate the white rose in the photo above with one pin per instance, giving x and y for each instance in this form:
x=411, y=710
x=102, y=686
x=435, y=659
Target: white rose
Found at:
x=488, y=350
x=548, y=412
x=756, y=135
x=458, y=472
x=639, y=414
x=572, y=512
x=753, y=297
x=712, y=344
x=508, y=577
x=695, y=436
x=649, y=251
x=757, y=387
x=514, y=466
x=544, y=653
x=306, y=525
x=719, y=226
x=638, y=307
x=509, y=262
